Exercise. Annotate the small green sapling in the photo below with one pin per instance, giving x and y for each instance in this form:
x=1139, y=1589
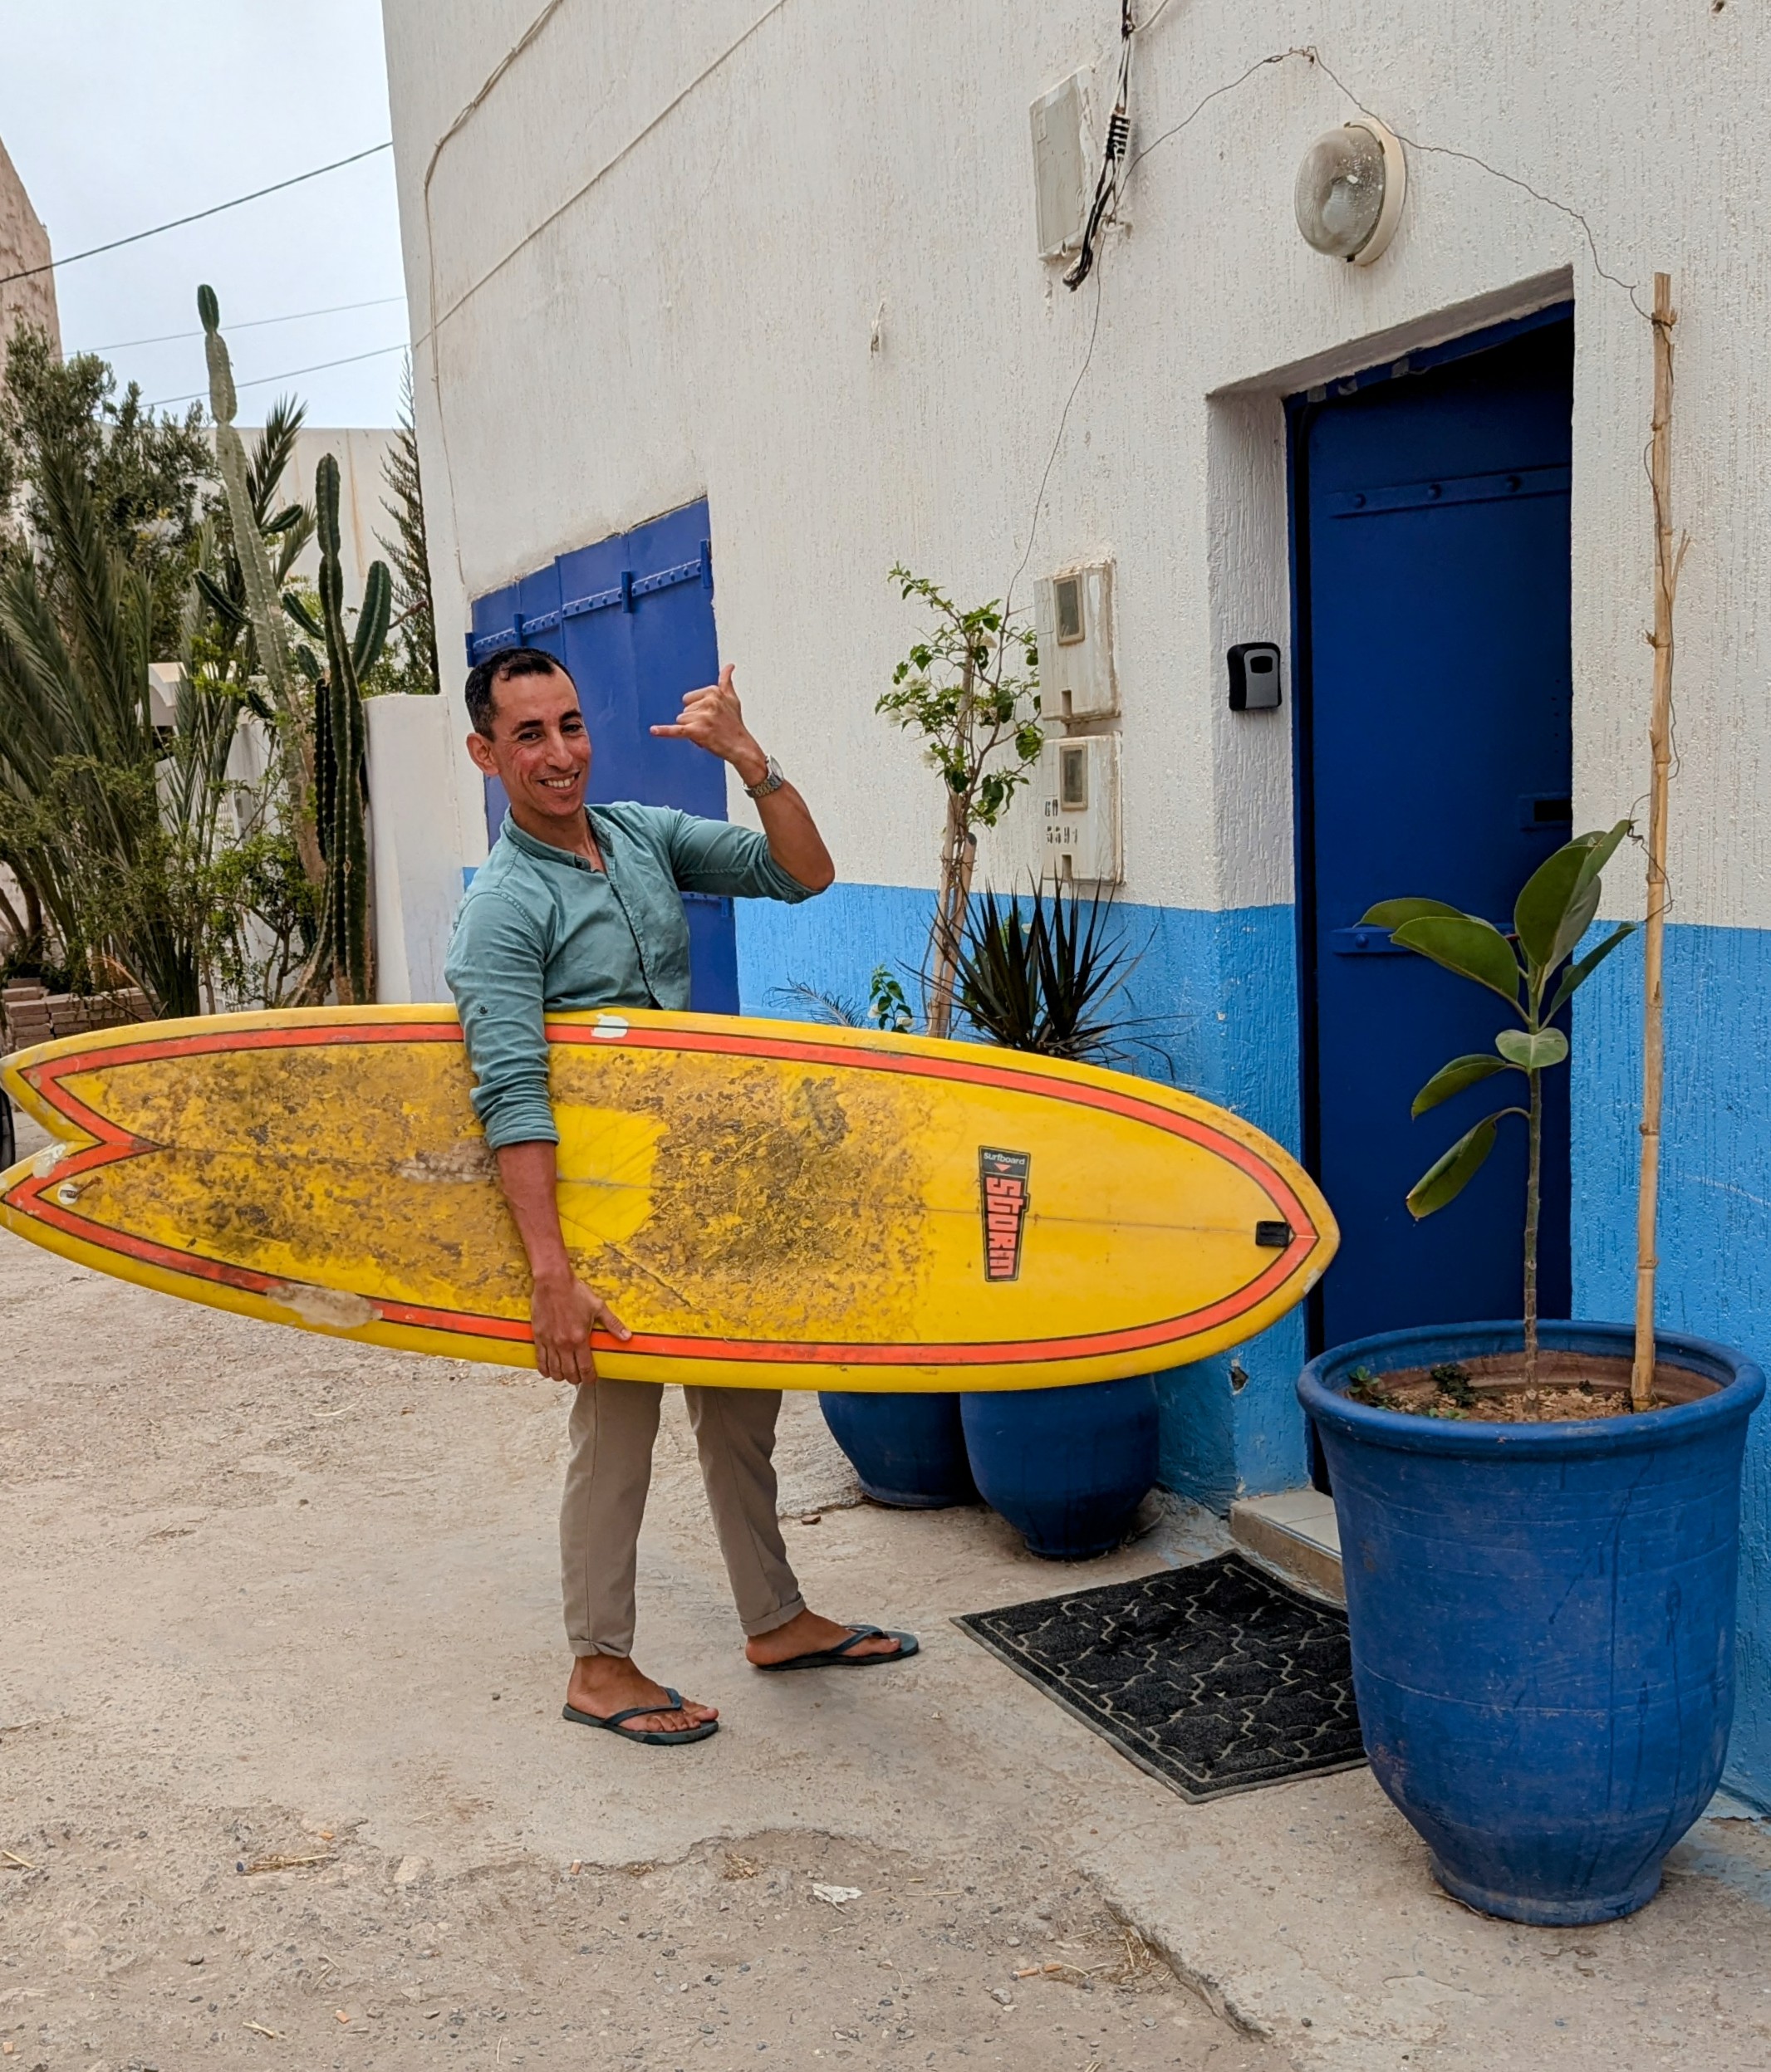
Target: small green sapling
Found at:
x=1550, y=915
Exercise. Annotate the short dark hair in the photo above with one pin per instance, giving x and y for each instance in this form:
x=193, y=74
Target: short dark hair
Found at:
x=485, y=677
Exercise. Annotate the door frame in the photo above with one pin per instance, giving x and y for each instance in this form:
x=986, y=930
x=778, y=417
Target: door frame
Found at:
x=1298, y=411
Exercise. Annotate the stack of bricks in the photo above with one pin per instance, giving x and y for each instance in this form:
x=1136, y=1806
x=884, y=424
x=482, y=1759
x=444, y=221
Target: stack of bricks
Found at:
x=25, y=1009
x=33, y=1016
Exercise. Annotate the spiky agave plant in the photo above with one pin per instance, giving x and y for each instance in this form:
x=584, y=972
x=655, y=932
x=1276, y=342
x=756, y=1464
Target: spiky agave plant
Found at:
x=1550, y=916
x=1037, y=981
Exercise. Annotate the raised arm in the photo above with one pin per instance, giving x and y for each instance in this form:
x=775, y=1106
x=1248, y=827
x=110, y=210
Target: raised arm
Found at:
x=713, y=720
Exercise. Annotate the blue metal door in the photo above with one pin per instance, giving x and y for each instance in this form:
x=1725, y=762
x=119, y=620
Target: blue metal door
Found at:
x=632, y=619
x=1431, y=517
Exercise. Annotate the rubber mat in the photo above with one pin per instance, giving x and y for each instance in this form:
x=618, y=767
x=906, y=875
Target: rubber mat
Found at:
x=1214, y=1678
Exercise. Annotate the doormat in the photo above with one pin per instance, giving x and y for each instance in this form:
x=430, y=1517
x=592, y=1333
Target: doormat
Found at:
x=1214, y=1678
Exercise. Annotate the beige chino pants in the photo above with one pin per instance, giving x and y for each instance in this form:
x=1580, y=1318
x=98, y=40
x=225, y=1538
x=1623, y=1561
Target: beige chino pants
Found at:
x=614, y=1424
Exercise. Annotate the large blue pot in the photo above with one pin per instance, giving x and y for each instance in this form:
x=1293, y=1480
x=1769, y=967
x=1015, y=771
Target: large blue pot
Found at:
x=1542, y=1617
x=1068, y=1466
x=908, y=1451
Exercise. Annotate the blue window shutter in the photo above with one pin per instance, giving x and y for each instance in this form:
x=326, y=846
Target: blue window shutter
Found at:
x=632, y=619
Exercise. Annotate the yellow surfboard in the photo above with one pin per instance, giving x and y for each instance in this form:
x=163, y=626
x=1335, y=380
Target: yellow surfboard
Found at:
x=766, y=1204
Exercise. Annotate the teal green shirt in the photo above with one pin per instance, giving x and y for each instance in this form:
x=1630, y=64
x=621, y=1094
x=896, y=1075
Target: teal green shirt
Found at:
x=542, y=932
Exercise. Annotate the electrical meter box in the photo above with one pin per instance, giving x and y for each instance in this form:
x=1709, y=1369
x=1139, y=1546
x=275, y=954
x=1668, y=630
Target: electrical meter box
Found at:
x=1062, y=157
x=1063, y=823
x=1073, y=623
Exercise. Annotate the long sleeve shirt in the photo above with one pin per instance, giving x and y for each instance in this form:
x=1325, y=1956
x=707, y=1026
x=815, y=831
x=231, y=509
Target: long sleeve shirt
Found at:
x=542, y=932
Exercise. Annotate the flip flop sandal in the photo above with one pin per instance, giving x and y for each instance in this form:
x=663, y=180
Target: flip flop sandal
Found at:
x=654, y=1737
x=839, y=1658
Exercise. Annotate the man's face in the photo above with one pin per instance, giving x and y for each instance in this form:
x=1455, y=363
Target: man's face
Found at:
x=539, y=749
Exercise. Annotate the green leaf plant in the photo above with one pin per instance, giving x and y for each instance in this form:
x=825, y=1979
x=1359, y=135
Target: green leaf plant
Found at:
x=1552, y=914
x=971, y=690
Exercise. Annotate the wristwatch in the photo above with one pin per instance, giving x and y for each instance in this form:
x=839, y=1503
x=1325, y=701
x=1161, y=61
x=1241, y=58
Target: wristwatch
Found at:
x=772, y=779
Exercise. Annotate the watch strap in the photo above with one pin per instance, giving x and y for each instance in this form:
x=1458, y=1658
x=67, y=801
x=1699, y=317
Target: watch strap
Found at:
x=772, y=779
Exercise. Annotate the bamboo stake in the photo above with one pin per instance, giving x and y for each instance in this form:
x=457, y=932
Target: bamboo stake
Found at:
x=1666, y=563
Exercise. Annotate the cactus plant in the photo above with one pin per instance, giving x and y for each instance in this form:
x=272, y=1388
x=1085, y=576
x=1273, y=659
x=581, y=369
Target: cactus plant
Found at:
x=341, y=788
x=325, y=766
x=294, y=735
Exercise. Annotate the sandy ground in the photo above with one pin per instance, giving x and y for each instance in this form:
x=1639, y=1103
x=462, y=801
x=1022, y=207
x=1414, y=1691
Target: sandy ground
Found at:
x=274, y=1595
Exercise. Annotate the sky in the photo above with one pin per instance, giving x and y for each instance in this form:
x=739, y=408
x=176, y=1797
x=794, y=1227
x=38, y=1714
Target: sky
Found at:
x=121, y=114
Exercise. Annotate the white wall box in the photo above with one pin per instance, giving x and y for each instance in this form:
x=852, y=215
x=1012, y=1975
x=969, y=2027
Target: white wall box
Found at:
x=1073, y=621
x=1079, y=784
x=1062, y=155
x=1065, y=823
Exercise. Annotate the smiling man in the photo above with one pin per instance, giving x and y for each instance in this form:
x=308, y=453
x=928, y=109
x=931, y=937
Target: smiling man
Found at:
x=578, y=907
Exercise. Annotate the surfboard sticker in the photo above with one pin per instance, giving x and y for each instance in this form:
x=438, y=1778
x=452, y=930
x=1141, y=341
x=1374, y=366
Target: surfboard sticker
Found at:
x=765, y=1204
x=1002, y=1180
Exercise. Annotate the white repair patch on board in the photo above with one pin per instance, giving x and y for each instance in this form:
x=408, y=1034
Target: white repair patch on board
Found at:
x=469, y=1158
x=332, y=1308
x=48, y=1158
x=610, y=1028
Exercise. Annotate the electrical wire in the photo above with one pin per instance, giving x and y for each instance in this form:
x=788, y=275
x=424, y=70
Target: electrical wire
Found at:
x=1051, y=462
x=264, y=380
x=621, y=152
x=257, y=323
x=1115, y=169
x=239, y=201
x=1229, y=86
x=1498, y=173
x=1118, y=136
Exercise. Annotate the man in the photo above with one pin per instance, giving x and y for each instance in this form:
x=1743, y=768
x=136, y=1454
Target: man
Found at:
x=574, y=907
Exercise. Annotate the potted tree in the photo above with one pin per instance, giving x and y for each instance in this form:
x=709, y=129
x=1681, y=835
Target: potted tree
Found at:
x=969, y=690
x=1540, y=1568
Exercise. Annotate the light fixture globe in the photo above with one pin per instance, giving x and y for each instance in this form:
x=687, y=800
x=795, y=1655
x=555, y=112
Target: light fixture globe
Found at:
x=1350, y=191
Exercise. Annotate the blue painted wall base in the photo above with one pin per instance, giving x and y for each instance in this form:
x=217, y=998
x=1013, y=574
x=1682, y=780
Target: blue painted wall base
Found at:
x=1212, y=1007
x=1715, y=1245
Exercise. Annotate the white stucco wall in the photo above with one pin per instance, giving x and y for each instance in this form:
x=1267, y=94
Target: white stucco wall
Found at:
x=652, y=259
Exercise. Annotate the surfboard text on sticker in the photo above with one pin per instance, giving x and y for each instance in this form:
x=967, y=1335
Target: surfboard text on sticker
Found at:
x=1003, y=1188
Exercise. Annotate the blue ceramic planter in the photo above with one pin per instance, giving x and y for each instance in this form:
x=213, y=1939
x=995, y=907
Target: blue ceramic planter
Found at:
x=1066, y=1466
x=908, y=1451
x=1542, y=1617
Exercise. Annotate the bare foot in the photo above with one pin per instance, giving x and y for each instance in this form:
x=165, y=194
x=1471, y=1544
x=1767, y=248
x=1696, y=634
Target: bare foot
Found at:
x=602, y=1685
x=807, y=1634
